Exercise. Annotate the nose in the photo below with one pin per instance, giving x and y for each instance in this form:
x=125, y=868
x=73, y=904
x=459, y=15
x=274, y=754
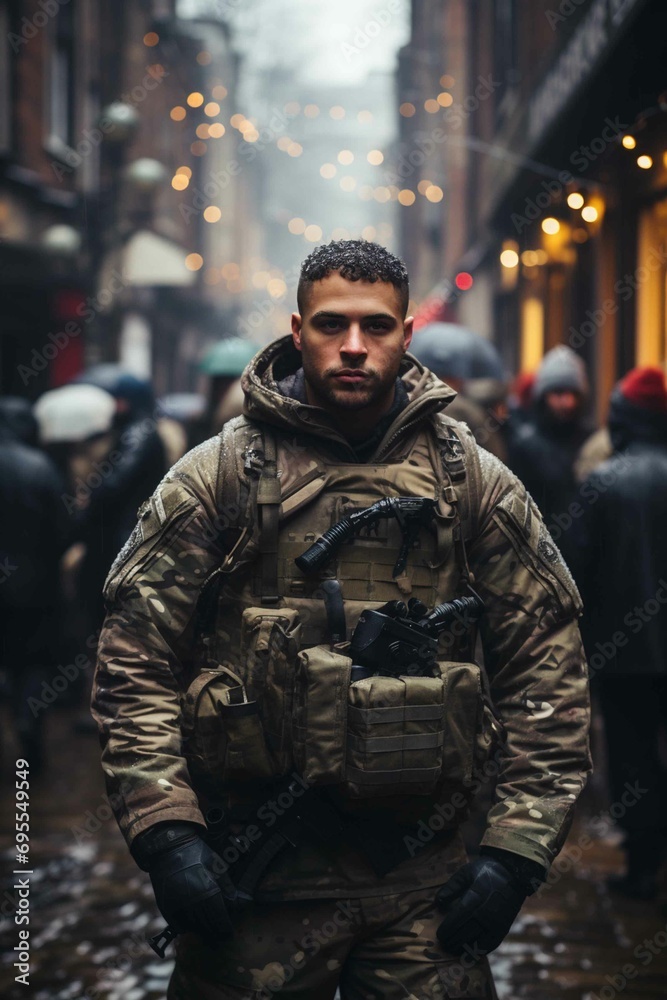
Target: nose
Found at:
x=354, y=343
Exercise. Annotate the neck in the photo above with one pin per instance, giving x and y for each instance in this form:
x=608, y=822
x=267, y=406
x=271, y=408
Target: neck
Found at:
x=356, y=425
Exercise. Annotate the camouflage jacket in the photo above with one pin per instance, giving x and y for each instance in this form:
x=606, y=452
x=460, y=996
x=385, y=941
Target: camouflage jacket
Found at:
x=148, y=650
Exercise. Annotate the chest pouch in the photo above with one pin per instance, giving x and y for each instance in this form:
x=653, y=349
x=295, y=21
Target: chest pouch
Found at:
x=269, y=645
x=223, y=736
x=386, y=736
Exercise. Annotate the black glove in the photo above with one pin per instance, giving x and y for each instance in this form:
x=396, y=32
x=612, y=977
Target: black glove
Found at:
x=482, y=900
x=191, y=889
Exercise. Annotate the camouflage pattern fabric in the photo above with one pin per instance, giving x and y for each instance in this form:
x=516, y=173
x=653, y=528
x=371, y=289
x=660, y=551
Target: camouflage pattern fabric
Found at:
x=374, y=948
x=151, y=648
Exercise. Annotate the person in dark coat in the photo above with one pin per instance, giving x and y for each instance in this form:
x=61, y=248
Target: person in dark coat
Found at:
x=544, y=449
x=33, y=533
x=130, y=472
x=622, y=539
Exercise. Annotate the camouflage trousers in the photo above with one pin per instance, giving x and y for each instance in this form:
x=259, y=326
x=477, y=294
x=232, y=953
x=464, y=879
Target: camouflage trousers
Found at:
x=372, y=948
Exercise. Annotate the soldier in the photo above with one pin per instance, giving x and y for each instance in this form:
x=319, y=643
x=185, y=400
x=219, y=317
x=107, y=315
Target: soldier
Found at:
x=301, y=830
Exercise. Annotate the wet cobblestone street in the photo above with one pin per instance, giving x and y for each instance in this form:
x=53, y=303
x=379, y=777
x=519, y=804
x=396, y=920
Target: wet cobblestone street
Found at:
x=91, y=908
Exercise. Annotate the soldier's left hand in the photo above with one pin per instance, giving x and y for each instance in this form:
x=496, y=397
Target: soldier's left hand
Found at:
x=481, y=900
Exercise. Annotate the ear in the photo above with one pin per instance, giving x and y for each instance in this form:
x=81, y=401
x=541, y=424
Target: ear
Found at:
x=407, y=331
x=296, y=330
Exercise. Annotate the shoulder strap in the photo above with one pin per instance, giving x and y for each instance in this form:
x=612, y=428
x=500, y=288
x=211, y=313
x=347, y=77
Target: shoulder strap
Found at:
x=248, y=482
x=460, y=460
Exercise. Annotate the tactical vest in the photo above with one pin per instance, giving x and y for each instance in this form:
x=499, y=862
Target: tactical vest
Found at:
x=275, y=695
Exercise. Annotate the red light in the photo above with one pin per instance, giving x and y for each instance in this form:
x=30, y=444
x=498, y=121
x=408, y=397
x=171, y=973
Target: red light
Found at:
x=463, y=281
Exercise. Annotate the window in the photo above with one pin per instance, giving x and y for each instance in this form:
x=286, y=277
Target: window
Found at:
x=61, y=77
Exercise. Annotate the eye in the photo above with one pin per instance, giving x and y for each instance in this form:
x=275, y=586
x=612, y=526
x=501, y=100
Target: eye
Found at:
x=330, y=324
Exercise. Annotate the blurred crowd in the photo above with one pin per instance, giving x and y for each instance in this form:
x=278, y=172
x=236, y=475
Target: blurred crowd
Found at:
x=76, y=466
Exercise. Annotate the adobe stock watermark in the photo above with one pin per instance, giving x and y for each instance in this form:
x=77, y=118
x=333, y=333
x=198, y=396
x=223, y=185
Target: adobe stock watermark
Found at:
x=565, y=10
x=58, y=341
x=275, y=975
x=247, y=151
x=73, y=157
x=365, y=34
x=624, y=288
x=67, y=674
x=261, y=309
x=644, y=953
x=580, y=158
x=590, y=492
x=427, y=142
x=31, y=26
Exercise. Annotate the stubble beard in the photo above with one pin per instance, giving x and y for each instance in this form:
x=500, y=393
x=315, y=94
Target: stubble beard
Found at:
x=351, y=397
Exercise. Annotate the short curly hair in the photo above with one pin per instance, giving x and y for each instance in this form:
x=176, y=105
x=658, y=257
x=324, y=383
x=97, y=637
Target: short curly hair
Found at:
x=354, y=260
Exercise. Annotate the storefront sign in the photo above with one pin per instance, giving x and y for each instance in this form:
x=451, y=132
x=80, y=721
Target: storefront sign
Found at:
x=594, y=37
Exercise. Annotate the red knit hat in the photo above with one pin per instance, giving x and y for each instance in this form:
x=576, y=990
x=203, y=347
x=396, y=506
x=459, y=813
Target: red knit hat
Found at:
x=646, y=387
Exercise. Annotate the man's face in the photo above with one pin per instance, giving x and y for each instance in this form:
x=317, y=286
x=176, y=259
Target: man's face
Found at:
x=563, y=404
x=352, y=337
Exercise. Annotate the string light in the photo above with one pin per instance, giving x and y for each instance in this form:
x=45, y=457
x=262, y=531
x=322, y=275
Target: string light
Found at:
x=509, y=258
x=575, y=200
x=551, y=226
x=194, y=261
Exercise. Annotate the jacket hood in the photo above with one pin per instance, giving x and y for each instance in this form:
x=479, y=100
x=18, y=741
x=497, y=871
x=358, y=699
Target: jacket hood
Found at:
x=265, y=402
x=629, y=423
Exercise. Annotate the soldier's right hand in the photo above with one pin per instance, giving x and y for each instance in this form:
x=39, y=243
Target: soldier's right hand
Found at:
x=185, y=874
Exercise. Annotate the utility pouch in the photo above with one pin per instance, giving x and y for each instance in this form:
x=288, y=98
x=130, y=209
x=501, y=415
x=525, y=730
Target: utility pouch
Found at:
x=319, y=720
x=471, y=725
x=223, y=737
x=269, y=645
x=395, y=735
